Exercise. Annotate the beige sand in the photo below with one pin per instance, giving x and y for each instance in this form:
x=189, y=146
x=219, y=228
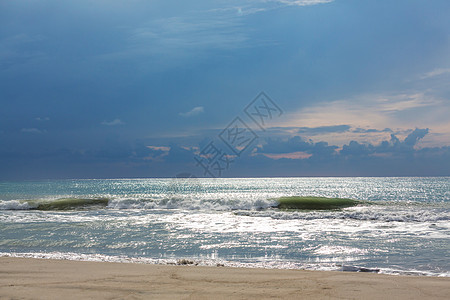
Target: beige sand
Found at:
x=22, y=278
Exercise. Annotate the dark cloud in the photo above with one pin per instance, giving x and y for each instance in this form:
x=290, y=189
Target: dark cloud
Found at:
x=279, y=145
x=415, y=136
x=394, y=146
x=116, y=158
x=296, y=144
x=370, y=130
x=393, y=157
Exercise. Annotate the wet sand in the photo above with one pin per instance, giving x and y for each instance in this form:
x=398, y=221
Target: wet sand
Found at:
x=25, y=278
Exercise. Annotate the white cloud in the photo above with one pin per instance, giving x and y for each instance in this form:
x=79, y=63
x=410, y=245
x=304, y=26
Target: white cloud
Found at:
x=193, y=112
x=303, y=2
x=113, y=122
x=401, y=102
x=159, y=148
x=435, y=72
x=42, y=119
x=249, y=7
x=32, y=130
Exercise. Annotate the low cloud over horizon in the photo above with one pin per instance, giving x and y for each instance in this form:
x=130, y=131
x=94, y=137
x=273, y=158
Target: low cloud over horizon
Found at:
x=268, y=157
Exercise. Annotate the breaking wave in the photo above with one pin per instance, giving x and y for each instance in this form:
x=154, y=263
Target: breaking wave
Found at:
x=54, y=204
x=304, y=208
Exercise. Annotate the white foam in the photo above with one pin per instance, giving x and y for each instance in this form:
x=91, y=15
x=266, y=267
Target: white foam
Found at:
x=368, y=213
x=214, y=262
x=193, y=202
x=14, y=205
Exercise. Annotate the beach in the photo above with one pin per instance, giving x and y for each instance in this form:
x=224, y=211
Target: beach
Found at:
x=26, y=278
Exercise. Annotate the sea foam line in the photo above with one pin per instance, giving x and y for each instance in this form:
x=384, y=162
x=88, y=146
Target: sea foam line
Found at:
x=218, y=263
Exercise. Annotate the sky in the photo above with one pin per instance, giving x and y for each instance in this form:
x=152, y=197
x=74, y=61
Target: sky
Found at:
x=118, y=89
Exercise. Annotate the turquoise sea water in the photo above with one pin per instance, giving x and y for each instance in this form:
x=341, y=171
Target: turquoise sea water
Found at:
x=401, y=227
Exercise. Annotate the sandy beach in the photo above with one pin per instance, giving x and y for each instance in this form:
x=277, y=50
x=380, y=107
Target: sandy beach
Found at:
x=24, y=278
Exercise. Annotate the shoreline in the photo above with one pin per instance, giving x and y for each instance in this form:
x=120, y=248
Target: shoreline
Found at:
x=215, y=263
x=31, y=278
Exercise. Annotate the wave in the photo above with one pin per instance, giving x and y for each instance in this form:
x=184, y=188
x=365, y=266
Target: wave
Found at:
x=55, y=204
x=161, y=202
x=383, y=214
x=186, y=202
x=314, y=203
x=311, y=207
x=189, y=203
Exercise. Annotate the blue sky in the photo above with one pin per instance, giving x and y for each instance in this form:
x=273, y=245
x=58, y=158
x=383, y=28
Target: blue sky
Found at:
x=107, y=89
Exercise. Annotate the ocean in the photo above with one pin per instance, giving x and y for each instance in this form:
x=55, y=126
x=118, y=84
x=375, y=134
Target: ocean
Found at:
x=401, y=225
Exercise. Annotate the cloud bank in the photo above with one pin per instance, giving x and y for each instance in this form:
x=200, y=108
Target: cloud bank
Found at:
x=271, y=156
